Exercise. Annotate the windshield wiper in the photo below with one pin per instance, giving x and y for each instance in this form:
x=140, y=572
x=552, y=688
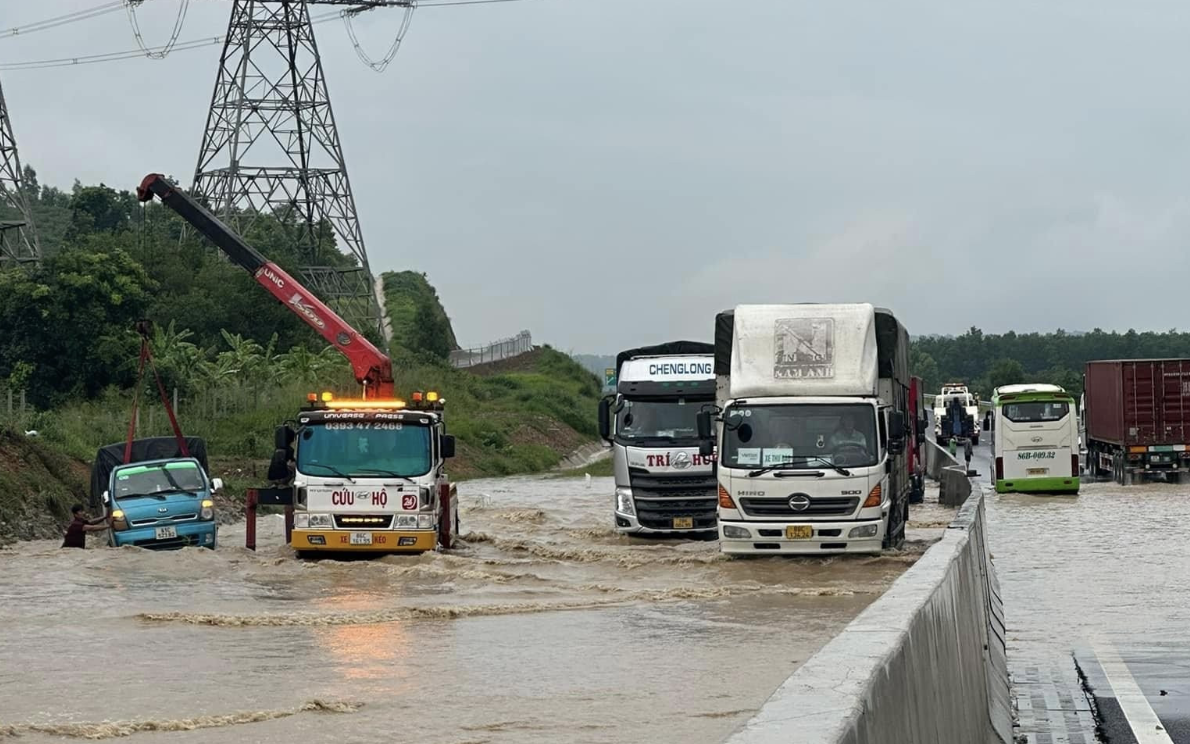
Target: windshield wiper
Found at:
x=391, y=473
x=331, y=468
x=791, y=463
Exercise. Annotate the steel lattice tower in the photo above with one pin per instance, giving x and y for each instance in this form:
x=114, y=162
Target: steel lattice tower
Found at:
x=271, y=146
x=18, y=238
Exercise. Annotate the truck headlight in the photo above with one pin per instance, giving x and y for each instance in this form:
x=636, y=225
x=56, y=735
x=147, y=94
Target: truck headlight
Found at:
x=322, y=521
x=408, y=521
x=624, y=503
x=867, y=530
x=425, y=521
x=301, y=521
x=730, y=531
x=208, y=510
x=119, y=521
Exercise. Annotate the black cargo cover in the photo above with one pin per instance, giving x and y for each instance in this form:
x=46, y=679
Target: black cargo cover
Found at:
x=724, y=333
x=154, y=448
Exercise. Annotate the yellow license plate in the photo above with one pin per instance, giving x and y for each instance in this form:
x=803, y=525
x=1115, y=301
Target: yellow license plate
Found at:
x=1037, y=471
x=799, y=532
x=683, y=523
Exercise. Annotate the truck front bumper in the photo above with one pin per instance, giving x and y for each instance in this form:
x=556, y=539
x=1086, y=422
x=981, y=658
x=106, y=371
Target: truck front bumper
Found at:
x=767, y=538
x=629, y=524
x=386, y=541
x=190, y=534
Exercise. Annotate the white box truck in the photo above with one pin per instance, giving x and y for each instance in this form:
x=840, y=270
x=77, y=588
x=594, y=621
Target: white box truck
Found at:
x=663, y=483
x=811, y=429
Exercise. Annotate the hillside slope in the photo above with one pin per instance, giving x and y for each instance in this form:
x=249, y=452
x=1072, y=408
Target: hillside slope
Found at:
x=38, y=485
x=419, y=322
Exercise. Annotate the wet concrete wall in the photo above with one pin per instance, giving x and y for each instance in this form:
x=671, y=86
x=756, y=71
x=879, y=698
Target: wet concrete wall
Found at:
x=924, y=664
x=955, y=486
x=937, y=458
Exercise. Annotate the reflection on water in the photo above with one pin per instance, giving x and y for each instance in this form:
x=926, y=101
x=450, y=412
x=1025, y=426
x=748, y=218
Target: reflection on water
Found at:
x=1111, y=560
x=544, y=626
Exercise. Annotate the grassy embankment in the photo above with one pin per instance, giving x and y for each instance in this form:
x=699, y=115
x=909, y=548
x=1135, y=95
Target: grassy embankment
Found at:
x=520, y=416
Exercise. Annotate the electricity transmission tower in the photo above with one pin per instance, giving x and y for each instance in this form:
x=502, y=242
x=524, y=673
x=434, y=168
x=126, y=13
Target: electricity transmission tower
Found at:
x=18, y=239
x=271, y=147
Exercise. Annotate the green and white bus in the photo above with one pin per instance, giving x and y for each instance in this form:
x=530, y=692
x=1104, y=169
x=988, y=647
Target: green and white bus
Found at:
x=1036, y=439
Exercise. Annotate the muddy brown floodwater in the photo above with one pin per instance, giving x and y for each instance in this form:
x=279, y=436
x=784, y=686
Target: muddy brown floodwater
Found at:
x=544, y=627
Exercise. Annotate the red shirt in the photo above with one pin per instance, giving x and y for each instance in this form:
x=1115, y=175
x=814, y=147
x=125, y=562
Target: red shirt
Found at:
x=75, y=536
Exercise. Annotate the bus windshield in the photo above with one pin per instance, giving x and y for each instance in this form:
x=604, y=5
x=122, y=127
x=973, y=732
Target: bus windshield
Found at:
x=803, y=436
x=1036, y=411
x=365, y=450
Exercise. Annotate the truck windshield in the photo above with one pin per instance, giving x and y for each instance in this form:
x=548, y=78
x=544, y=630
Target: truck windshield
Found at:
x=364, y=449
x=644, y=419
x=803, y=435
x=162, y=478
x=1035, y=411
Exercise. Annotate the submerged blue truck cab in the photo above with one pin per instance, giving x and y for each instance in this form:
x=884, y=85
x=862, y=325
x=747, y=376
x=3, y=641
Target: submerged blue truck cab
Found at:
x=162, y=498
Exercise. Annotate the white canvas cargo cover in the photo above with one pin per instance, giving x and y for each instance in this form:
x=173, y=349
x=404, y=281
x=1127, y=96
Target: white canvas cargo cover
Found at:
x=804, y=350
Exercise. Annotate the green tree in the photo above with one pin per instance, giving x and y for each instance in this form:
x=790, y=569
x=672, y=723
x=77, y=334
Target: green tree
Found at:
x=73, y=321
x=1004, y=372
x=430, y=333
x=923, y=365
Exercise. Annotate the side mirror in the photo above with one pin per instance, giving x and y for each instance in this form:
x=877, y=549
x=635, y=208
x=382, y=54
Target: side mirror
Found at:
x=896, y=446
x=896, y=425
x=279, y=465
x=107, y=497
x=216, y=484
x=283, y=436
x=605, y=419
x=706, y=428
x=448, y=446
x=706, y=448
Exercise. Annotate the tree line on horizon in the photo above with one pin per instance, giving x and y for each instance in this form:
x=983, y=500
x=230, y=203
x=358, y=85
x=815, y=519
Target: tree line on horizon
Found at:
x=985, y=361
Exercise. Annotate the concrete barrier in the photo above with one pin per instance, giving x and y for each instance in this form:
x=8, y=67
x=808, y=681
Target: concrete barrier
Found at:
x=924, y=664
x=955, y=486
x=937, y=458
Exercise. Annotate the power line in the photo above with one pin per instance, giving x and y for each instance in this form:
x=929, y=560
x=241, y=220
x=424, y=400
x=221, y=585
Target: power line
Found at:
x=383, y=63
x=180, y=46
x=62, y=20
x=91, y=59
x=168, y=47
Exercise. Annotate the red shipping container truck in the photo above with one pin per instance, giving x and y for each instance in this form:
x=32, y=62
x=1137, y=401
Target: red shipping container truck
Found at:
x=1137, y=415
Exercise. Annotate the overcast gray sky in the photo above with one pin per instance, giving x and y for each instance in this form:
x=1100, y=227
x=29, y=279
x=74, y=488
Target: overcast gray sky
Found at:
x=608, y=173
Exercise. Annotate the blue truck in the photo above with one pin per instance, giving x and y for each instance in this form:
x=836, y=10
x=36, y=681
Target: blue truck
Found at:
x=161, y=498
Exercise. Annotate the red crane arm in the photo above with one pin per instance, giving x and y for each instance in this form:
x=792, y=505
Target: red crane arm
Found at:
x=373, y=368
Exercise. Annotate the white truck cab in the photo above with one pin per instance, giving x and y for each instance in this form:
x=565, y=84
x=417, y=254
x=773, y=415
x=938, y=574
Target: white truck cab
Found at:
x=812, y=428
x=662, y=482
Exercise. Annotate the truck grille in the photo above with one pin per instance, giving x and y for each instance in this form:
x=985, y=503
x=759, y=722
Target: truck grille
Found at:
x=171, y=519
x=660, y=499
x=363, y=521
x=830, y=506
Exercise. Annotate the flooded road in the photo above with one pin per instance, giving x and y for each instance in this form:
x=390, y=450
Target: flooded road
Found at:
x=1100, y=575
x=545, y=626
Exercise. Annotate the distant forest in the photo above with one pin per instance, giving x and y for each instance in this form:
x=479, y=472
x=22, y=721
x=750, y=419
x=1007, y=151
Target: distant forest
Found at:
x=987, y=361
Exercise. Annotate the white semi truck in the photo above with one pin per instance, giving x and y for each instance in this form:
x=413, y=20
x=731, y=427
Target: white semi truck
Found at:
x=663, y=483
x=812, y=427
x=944, y=400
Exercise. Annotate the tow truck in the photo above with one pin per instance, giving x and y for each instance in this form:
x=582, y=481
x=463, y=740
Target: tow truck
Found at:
x=360, y=474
